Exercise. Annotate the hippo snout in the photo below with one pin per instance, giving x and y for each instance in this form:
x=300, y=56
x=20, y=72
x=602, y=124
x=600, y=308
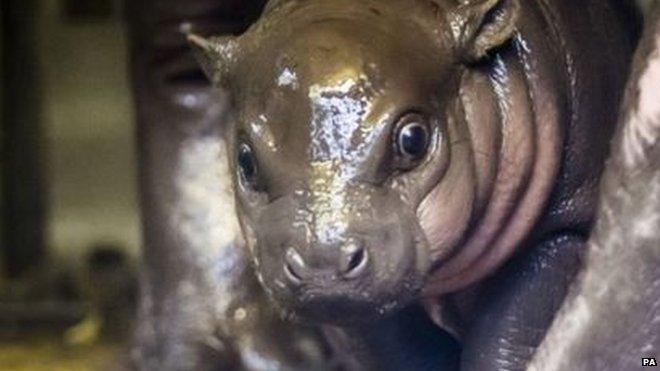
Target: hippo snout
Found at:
x=352, y=262
x=346, y=263
x=362, y=264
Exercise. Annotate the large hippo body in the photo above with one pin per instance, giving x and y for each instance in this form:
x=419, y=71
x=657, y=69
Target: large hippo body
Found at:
x=384, y=154
x=611, y=318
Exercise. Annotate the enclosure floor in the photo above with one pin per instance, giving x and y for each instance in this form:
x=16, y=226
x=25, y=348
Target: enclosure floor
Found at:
x=50, y=354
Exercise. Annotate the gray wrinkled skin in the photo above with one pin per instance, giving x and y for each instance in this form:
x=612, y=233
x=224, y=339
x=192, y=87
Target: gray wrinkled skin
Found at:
x=611, y=318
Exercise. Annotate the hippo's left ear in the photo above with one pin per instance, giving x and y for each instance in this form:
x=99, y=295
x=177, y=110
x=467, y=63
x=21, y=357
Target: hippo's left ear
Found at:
x=479, y=26
x=216, y=55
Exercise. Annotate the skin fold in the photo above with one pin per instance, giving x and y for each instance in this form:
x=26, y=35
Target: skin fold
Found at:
x=480, y=234
x=610, y=319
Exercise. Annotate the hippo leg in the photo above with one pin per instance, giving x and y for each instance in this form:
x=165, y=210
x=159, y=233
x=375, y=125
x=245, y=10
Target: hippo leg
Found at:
x=517, y=305
x=406, y=340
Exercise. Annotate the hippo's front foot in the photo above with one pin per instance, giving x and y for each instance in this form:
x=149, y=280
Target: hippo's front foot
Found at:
x=405, y=341
x=516, y=306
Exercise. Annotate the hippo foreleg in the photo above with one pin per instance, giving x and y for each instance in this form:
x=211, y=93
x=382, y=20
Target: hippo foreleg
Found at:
x=517, y=305
x=405, y=341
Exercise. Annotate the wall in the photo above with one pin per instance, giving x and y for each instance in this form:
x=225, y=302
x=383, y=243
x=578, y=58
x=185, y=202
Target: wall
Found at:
x=90, y=157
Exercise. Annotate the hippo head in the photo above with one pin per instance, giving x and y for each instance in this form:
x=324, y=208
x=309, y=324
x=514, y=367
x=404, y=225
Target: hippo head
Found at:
x=345, y=122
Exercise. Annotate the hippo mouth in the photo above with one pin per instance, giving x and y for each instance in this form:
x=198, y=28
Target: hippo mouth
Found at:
x=344, y=308
x=362, y=291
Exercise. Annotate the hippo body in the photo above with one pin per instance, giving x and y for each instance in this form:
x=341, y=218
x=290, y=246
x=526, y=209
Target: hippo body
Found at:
x=385, y=154
x=365, y=183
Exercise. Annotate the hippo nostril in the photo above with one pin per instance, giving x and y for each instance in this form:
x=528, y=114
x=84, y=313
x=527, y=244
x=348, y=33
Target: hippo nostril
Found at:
x=291, y=274
x=354, y=260
x=294, y=265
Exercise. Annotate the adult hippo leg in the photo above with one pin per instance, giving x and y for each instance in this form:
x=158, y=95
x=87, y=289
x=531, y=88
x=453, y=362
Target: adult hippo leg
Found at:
x=611, y=319
x=201, y=307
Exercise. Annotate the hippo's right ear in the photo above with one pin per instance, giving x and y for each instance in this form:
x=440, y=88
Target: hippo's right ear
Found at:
x=216, y=55
x=479, y=26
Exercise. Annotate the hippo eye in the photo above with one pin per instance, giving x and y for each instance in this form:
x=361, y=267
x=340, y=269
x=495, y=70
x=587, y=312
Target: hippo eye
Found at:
x=412, y=138
x=247, y=165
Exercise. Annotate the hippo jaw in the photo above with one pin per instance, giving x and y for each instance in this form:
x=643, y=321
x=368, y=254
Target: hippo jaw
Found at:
x=337, y=142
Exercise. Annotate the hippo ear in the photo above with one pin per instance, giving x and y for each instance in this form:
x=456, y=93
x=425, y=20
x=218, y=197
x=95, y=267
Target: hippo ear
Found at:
x=216, y=55
x=479, y=26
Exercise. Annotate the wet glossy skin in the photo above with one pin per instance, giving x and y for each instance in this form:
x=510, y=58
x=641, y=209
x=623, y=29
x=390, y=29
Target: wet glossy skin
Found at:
x=341, y=227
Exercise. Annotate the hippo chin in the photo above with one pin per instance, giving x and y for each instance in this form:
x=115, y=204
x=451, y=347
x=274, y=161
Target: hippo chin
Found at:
x=387, y=151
